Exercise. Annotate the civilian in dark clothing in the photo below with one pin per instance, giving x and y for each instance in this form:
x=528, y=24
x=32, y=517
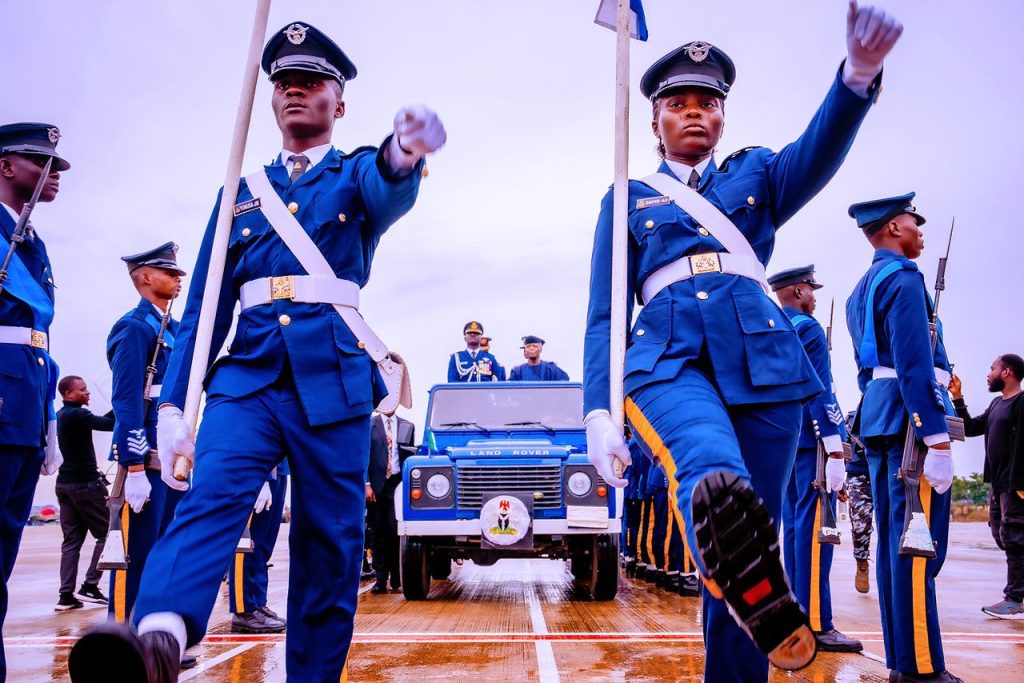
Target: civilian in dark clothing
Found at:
x=81, y=492
x=1002, y=423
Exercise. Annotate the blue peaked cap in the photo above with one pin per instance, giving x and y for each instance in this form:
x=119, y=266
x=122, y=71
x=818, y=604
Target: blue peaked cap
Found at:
x=38, y=139
x=794, y=276
x=874, y=214
x=303, y=47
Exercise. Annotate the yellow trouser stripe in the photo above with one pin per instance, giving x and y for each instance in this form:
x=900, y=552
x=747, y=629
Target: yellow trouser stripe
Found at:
x=240, y=576
x=815, y=595
x=668, y=539
x=658, y=448
x=120, y=575
x=650, y=534
x=344, y=672
x=922, y=649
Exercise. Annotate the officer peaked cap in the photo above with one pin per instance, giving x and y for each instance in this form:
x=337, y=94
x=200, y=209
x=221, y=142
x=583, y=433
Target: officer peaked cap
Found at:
x=804, y=275
x=871, y=216
x=473, y=326
x=164, y=257
x=694, y=65
x=303, y=47
x=532, y=339
x=32, y=138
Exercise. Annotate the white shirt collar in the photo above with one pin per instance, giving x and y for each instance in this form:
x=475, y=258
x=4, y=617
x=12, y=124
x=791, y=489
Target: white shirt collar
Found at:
x=314, y=154
x=14, y=215
x=682, y=171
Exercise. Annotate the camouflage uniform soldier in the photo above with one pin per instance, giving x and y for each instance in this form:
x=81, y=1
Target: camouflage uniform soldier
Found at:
x=862, y=508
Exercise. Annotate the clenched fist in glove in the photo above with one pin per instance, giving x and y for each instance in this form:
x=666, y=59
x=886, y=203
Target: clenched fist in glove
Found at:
x=604, y=445
x=418, y=132
x=137, y=490
x=938, y=469
x=172, y=440
x=835, y=474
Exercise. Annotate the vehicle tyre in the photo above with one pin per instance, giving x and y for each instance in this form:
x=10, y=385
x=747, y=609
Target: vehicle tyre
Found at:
x=440, y=565
x=581, y=562
x=415, y=568
x=606, y=561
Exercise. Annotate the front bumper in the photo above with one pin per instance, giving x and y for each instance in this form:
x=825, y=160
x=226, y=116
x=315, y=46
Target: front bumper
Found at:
x=471, y=528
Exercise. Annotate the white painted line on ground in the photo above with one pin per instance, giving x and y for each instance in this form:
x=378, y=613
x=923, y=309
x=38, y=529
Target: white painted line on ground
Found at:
x=206, y=665
x=874, y=658
x=547, y=670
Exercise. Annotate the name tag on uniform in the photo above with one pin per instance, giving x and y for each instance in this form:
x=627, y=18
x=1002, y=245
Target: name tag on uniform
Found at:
x=246, y=207
x=651, y=201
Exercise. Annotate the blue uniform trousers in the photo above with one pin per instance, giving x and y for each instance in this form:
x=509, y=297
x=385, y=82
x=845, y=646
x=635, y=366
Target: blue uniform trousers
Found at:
x=686, y=423
x=171, y=499
x=645, y=553
x=906, y=585
x=240, y=441
x=676, y=556
x=140, y=531
x=634, y=515
x=808, y=562
x=659, y=531
x=247, y=580
x=19, y=472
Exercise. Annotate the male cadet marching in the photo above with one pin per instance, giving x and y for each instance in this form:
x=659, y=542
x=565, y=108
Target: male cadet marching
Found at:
x=902, y=380
x=131, y=347
x=297, y=382
x=808, y=561
x=249, y=575
x=474, y=364
x=28, y=376
x=714, y=372
x=499, y=369
x=535, y=369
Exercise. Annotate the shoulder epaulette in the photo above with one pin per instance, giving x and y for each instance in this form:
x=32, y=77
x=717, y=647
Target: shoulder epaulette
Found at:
x=737, y=153
x=359, y=150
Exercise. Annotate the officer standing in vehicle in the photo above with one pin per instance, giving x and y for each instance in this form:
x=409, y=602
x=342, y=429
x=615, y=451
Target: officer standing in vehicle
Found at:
x=297, y=382
x=473, y=364
x=808, y=561
x=714, y=372
x=535, y=369
x=130, y=348
x=903, y=382
x=28, y=376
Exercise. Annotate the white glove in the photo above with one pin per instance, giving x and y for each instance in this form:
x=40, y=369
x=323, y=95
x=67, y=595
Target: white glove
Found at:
x=938, y=469
x=604, y=444
x=835, y=474
x=418, y=132
x=53, y=459
x=264, y=500
x=870, y=34
x=136, y=490
x=172, y=440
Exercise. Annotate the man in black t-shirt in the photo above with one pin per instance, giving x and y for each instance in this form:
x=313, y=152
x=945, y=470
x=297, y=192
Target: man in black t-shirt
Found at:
x=1002, y=423
x=81, y=492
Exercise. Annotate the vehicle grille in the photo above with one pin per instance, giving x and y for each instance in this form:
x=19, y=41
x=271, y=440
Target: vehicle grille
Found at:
x=474, y=482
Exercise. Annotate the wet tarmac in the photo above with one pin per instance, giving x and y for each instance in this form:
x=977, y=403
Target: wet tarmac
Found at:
x=519, y=621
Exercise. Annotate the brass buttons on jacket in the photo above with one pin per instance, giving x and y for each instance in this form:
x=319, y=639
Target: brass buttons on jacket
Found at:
x=704, y=231
x=40, y=361
x=285, y=320
x=751, y=200
x=294, y=208
x=771, y=323
x=702, y=295
x=342, y=217
x=246, y=232
x=649, y=224
x=640, y=332
x=424, y=172
x=361, y=345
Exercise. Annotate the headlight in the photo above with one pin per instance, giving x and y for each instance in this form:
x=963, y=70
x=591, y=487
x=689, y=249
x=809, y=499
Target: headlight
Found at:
x=438, y=486
x=579, y=484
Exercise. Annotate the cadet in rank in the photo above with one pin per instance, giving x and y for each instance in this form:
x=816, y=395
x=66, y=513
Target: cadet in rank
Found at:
x=28, y=376
x=714, y=371
x=808, y=561
x=298, y=381
x=535, y=369
x=473, y=364
x=902, y=381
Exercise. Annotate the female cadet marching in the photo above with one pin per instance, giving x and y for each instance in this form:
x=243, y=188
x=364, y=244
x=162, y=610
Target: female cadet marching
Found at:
x=714, y=372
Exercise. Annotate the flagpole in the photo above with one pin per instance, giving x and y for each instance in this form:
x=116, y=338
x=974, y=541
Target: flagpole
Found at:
x=218, y=255
x=620, y=198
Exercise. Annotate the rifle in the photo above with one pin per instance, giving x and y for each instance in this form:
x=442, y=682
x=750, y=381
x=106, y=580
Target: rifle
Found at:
x=22, y=225
x=828, y=530
x=114, y=555
x=917, y=538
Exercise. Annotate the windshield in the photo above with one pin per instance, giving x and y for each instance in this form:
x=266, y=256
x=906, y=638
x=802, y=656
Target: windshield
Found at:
x=516, y=407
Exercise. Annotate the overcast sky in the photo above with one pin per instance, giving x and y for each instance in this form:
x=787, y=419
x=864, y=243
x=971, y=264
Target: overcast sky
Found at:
x=145, y=95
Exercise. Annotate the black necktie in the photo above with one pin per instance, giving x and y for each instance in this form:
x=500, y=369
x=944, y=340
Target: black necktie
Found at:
x=299, y=163
x=694, y=182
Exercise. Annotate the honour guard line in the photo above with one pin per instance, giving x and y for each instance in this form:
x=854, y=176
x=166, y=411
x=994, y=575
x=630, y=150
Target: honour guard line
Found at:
x=281, y=392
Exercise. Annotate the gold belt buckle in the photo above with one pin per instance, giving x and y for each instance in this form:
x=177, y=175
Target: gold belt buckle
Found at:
x=38, y=339
x=705, y=263
x=282, y=287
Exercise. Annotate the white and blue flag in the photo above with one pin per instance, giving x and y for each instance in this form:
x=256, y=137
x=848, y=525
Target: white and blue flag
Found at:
x=607, y=10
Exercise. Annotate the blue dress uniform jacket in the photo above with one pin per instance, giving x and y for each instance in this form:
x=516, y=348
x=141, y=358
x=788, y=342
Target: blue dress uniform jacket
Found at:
x=759, y=190
x=345, y=203
x=895, y=335
x=545, y=372
x=462, y=367
x=130, y=347
x=822, y=416
x=28, y=377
